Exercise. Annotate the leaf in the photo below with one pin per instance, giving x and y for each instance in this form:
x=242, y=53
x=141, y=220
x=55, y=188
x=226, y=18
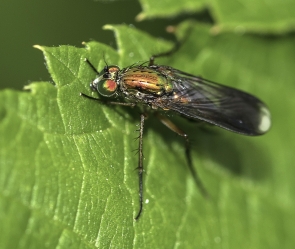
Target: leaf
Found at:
x=153, y=8
x=67, y=164
x=240, y=16
x=257, y=16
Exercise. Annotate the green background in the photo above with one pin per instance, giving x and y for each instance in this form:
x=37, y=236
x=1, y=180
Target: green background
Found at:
x=67, y=175
x=53, y=23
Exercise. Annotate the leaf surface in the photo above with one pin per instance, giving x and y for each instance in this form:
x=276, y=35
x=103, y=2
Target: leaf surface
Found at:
x=67, y=164
x=257, y=16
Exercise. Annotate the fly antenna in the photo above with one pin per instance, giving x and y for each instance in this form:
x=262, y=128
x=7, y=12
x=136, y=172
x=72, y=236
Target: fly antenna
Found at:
x=104, y=59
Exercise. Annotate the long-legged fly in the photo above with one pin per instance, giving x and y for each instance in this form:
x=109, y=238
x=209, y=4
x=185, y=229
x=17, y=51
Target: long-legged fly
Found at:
x=165, y=89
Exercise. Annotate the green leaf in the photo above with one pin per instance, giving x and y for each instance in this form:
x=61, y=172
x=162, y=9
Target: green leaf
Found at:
x=259, y=16
x=68, y=177
x=168, y=8
x=256, y=16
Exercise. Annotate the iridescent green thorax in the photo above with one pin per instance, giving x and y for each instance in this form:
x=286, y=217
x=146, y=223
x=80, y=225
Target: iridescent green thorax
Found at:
x=145, y=80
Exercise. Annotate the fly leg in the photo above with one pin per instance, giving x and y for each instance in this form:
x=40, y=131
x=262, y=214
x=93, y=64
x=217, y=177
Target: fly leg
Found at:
x=177, y=46
x=167, y=53
x=140, y=148
x=107, y=102
x=140, y=165
x=174, y=128
x=91, y=65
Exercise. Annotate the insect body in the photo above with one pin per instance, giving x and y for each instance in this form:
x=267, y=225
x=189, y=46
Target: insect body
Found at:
x=163, y=88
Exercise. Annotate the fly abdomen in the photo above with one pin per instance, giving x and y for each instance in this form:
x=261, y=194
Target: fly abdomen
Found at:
x=146, y=80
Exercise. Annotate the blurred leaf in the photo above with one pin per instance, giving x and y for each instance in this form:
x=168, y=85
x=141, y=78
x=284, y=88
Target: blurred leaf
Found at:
x=258, y=16
x=243, y=16
x=168, y=8
x=67, y=163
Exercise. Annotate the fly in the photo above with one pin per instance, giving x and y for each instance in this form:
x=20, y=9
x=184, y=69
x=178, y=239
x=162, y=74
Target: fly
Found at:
x=165, y=89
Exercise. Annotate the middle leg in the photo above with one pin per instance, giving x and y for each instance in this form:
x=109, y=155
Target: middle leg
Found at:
x=168, y=123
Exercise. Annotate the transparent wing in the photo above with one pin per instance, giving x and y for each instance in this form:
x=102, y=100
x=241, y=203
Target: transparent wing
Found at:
x=229, y=108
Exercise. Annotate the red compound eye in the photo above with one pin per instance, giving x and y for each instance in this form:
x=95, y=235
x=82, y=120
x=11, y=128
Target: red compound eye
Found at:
x=107, y=87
